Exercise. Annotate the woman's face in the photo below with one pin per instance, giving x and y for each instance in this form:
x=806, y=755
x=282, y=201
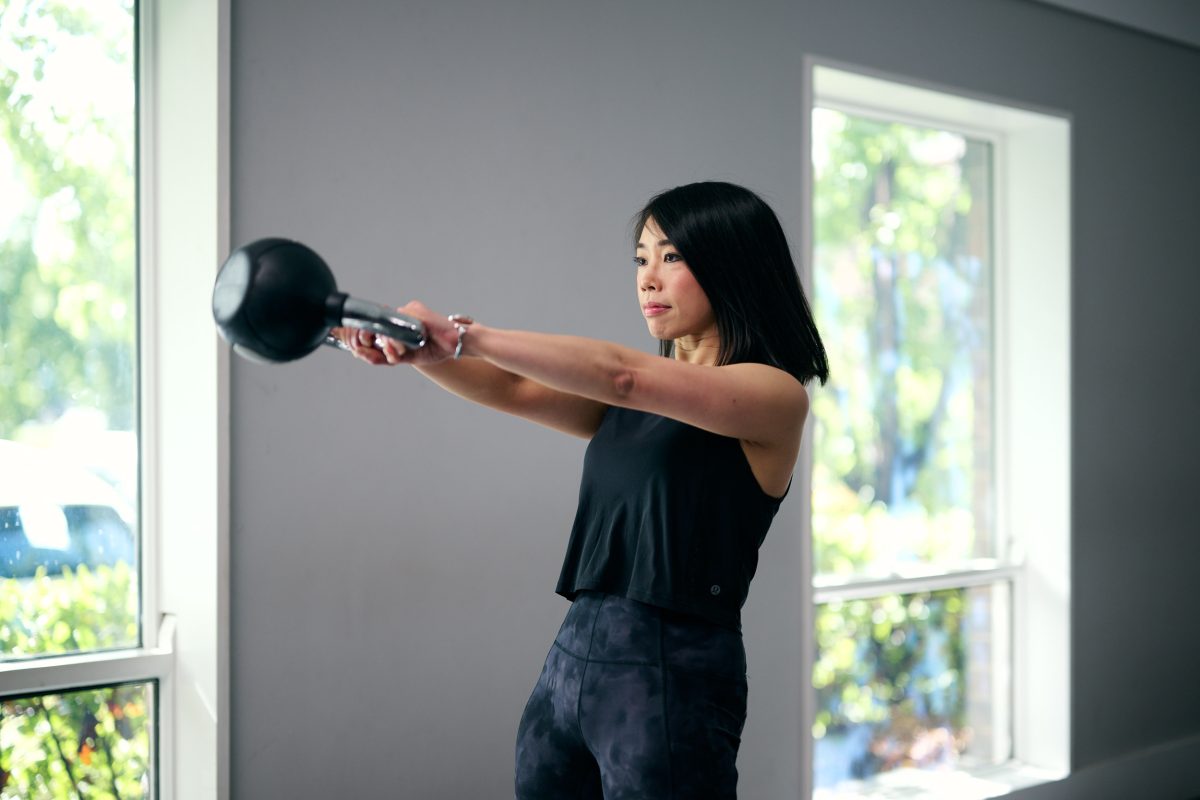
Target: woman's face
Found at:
x=672, y=301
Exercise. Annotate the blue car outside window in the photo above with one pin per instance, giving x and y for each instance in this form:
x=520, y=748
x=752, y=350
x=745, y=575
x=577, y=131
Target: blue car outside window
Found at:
x=96, y=535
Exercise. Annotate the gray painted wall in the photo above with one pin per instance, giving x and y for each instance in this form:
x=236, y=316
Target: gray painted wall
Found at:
x=395, y=549
x=1178, y=20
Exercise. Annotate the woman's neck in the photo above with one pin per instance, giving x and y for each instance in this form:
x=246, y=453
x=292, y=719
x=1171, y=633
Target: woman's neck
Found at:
x=699, y=349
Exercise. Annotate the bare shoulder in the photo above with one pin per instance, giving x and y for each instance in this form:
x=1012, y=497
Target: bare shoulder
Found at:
x=772, y=459
x=774, y=393
x=771, y=379
x=761, y=404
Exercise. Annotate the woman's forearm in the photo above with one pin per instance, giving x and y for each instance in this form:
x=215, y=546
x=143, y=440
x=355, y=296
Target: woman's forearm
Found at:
x=485, y=383
x=590, y=368
x=474, y=379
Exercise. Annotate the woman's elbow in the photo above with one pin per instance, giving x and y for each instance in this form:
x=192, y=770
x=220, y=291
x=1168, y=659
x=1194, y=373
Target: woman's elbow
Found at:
x=623, y=384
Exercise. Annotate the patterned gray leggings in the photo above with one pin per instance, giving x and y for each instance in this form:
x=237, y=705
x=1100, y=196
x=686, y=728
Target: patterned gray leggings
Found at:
x=634, y=701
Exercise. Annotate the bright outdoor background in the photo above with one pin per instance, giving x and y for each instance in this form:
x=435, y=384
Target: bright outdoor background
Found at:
x=68, y=406
x=903, y=478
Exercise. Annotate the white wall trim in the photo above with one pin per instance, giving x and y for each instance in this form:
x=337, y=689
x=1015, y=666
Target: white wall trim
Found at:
x=1034, y=396
x=807, y=615
x=187, y=415
x=223, y=400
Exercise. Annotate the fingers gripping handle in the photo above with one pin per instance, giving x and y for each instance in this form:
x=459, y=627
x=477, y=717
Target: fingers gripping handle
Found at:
x=376, y=318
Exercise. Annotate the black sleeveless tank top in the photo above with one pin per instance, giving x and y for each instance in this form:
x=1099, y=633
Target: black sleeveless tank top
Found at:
x=670, y=515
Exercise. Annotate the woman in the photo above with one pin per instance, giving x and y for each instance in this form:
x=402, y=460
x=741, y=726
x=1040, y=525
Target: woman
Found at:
x=643, y=693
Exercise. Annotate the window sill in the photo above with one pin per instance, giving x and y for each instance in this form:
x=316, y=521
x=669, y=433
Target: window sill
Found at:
x=915, y=784
x=55, y=673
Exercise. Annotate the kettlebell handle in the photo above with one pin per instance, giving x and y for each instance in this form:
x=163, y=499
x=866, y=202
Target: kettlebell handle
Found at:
x=378, y=319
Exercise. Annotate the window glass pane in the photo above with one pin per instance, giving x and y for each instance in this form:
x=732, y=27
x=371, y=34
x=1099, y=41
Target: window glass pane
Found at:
x=902, y=475
x=907, y=683
x=93, y=743
x=68, y=348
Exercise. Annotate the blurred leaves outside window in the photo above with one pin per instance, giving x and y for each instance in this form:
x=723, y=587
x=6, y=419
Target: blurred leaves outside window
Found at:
x=69, y=550
x=93, y=743
x=903, y=471
x=68, y=274
x=907, y=681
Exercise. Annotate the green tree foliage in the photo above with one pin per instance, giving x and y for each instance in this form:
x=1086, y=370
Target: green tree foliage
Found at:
x=87, y=744
x=68, y=340
x=67, y=219
x=902, y=475
x=903, y=304
x=72, y=611
x=896, y=663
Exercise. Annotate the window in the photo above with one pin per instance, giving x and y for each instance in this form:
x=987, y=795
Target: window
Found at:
x=180, y=523
x=929, y=581
x=72, y=598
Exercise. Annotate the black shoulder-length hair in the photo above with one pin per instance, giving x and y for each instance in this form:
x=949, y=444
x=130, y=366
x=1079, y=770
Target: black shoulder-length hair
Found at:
x=735, y=247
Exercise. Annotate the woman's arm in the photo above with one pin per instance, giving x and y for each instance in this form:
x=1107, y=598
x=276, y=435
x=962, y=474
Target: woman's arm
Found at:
x=489, y=385
x=753, y=402
x=756, y=403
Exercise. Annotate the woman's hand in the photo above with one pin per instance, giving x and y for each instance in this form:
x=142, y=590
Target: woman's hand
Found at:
x=441, y=337
x=360, y=343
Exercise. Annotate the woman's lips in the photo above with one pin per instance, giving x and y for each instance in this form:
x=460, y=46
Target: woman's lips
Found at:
x=653, y=309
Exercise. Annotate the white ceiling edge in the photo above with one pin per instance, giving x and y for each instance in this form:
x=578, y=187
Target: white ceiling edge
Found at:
x=1178, y=20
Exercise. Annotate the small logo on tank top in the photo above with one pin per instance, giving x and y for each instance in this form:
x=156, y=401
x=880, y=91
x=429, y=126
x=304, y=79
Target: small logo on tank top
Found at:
x=715, y=590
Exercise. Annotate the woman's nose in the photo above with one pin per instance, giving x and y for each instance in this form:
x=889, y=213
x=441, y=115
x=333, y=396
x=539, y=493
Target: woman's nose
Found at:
x=648, y=279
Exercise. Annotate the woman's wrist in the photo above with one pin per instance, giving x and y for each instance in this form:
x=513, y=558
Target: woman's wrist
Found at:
x=470, y=338
x=462, y=323
x=467, y=335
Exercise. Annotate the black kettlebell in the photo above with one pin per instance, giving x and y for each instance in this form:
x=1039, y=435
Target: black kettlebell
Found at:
x=276, y=300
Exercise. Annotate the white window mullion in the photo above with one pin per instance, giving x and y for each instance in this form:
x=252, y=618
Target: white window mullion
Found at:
x=147, y=287
x=866, y=589
x=64, y=673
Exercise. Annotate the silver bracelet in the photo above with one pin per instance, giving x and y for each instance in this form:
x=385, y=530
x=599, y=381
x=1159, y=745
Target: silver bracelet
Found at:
x=461, y=321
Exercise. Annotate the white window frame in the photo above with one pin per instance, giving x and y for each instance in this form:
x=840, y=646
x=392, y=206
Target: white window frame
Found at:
x=183, y=160
x=1031, y=251
x=185, y=236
